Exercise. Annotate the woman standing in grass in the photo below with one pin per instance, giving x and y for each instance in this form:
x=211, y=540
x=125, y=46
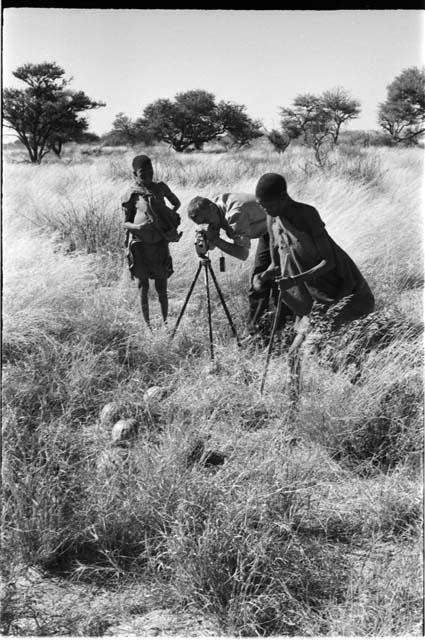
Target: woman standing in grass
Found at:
x=150, y=225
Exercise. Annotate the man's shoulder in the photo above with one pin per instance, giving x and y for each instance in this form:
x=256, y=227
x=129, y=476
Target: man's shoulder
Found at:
x=231, y=200
x=302, y=207
x=160, y=186
x=239, y=197
x=305, y=212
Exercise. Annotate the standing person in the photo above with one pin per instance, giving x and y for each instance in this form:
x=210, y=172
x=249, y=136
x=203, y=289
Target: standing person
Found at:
x=242, y=219
x=150, y=226
x=298, y=242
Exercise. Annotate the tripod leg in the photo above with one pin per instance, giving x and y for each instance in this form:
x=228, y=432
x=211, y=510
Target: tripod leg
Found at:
x=223, y=302
x=269, y=350
x=207, y=287
x=186, y=301
x=256, y=315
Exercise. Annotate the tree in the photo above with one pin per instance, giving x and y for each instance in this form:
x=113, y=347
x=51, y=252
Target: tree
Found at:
x=129, y=132
x=317, y=116
x=309, y=122
x=68, y=132
x=193, y=118
x=402, y=115
x=236, y=122
x=124, y=127
x=299, y=119
x=70, y=127
x=341, y=108
x=190, y=120
x=317, y=119
x=45, y=114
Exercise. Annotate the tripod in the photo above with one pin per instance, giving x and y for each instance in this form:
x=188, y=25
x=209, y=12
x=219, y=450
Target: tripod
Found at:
x=206, y=263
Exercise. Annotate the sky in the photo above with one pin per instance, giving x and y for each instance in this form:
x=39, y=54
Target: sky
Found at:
x=262, y=59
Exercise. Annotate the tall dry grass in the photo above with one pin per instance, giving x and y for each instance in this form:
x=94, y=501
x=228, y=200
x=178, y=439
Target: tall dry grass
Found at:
x=311, y=525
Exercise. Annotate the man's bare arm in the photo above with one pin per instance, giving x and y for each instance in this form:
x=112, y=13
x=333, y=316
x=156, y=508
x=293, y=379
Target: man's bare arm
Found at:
x=132, y=227
x=234, y=250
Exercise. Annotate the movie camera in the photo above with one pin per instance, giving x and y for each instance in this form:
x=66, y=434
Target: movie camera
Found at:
x=201, y=242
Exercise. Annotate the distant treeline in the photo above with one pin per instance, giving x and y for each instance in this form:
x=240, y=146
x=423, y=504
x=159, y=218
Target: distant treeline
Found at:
x=46, y=114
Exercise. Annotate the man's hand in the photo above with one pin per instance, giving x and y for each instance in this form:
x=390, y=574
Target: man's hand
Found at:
x=257, y=284
x=271, y=273
x=212, y=236
x=260, y=279
x=285, y=283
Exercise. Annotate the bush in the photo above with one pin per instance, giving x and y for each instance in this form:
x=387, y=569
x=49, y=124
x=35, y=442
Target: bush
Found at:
x=365, y=139
x=280, y=141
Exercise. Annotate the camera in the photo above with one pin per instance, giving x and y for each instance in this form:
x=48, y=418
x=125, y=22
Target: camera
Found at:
x=201, y=243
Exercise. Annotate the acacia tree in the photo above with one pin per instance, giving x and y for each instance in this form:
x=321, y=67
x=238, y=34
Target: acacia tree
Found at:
x=67, y=133
x=69, y=126
x=304, y=116
x=309, y=122
x=123, y=128
x=236, y=122
x=402, y=115
x=317, y=119
x=45, y=114
x=188, y=121
x=129, y=132
x=193, y=118
x=341, y=108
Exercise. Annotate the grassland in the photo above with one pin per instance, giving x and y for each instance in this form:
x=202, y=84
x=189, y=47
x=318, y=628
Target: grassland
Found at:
x=313, y=525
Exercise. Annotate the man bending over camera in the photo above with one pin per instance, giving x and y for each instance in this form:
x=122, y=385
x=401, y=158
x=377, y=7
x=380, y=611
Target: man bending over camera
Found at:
x=242, y=219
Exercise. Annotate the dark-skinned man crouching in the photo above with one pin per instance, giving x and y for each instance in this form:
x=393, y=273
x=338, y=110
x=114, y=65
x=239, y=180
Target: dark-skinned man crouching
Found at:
x=299, y=242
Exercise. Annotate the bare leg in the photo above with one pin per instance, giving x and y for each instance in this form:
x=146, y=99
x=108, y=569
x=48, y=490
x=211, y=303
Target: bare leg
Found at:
x=294, y=362
x=161, y=288
x=301, y=326
x=144, y=302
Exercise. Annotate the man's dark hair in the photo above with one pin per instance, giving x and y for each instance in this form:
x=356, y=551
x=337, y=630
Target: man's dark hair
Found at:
x=271, y=186
x=196, y=205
